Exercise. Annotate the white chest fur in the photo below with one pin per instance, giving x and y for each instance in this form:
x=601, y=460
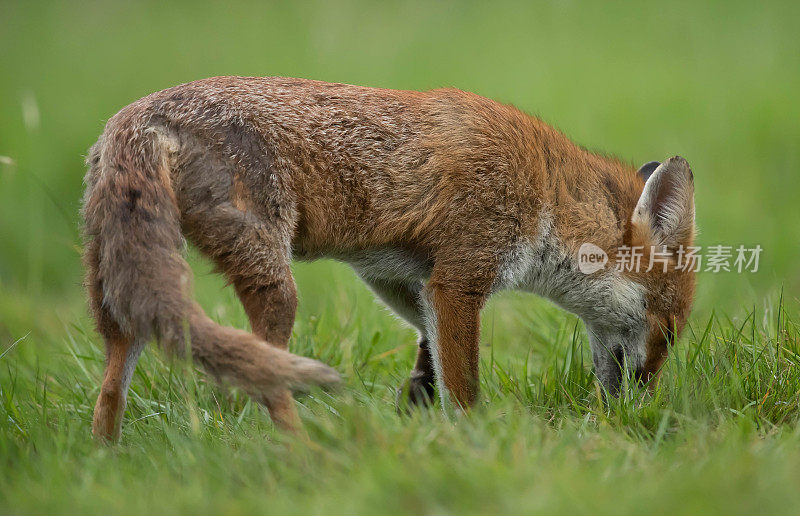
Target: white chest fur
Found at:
x=543, y=265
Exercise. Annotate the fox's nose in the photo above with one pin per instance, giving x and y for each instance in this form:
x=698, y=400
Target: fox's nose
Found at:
x=643, y=377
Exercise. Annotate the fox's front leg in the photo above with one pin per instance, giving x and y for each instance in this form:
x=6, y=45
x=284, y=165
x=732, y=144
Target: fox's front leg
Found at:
x=419, y=388
x=453, y=318
x=403, y=297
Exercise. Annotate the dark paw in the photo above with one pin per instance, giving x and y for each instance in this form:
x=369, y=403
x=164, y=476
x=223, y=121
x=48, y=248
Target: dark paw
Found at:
x=417, y=391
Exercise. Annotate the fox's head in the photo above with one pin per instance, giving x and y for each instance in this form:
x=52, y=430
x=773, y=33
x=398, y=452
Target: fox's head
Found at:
x=650, y=307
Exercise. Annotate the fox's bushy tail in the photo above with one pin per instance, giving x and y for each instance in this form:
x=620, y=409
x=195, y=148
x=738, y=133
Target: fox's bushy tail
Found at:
x=139, y=282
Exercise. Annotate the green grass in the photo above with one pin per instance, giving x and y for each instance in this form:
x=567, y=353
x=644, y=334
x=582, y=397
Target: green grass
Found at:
x=716, y=82
x=718, y=433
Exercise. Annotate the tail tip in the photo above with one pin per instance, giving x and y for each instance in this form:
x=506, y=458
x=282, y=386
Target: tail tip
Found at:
x=310, y=373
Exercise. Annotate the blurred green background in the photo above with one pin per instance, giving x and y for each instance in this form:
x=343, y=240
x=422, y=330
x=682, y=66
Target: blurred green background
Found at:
x=716, y=82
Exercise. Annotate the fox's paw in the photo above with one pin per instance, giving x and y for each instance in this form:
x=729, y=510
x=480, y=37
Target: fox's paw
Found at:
x=417, y=391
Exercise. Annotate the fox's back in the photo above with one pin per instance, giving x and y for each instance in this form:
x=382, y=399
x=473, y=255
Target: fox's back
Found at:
x=365, y=165
x=369, y=162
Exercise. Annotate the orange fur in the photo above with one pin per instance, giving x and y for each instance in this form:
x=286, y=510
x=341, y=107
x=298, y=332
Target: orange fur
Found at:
x=434, y=197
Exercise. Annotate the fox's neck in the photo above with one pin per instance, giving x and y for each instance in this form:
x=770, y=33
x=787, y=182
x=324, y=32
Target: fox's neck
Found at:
x=585, y=198
x=590, y=197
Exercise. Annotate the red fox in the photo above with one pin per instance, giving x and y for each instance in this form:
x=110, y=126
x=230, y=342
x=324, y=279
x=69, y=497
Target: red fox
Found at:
x=437, y=199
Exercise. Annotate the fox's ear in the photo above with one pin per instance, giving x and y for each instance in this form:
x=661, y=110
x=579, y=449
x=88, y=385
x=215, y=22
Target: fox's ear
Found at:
x=666, y=207
x=646, y=170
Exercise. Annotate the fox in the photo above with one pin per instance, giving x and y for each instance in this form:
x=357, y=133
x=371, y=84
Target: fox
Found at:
x=436, y=199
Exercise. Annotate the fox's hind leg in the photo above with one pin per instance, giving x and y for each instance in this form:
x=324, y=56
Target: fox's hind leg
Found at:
x=251, y=245
x=271, y=308
x=250, y=254
x=122, y=353
x=403, y=298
